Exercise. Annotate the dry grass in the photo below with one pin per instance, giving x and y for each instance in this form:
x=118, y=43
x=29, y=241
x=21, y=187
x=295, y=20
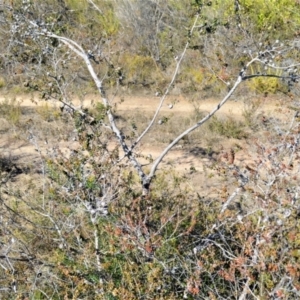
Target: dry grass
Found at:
x=50, y=217
x=31, y=130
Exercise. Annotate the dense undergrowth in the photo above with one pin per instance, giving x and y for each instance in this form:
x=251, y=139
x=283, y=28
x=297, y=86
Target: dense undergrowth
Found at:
x=82, y=230
x=135, y=43
x=78, y=225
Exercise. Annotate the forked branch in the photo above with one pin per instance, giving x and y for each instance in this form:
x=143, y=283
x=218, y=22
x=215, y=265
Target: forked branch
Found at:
x=260, y=58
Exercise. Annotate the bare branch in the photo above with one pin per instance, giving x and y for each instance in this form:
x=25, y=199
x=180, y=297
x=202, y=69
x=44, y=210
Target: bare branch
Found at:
x=201, y=122
x=96, y=7
x=179, y=61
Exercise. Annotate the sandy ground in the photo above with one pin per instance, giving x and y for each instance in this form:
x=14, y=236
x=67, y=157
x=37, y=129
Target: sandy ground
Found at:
x=149, y=104
x=192, y=163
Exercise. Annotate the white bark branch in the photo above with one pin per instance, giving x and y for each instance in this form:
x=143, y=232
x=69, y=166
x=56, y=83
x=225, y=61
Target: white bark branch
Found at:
x=81, y=53
x=198, y=124
x=169, y=86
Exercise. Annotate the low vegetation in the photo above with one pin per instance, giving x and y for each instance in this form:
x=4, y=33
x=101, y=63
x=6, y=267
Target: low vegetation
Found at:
x=76, y=222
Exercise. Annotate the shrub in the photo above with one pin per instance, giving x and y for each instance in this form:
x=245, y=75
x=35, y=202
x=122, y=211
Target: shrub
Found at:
x=266, y=16
x=265, y=85
x=2, y=82
x=48, y=113
x=191, y=80
x=228, y=127
x=139, y=70
x=250, y=113
x=10, y=109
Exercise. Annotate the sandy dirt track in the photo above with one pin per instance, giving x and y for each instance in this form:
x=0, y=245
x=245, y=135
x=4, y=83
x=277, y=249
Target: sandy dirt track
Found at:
x=182, y=160
x=149, y=104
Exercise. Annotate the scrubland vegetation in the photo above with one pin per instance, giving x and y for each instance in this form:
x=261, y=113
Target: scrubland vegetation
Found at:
x=89, y=215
